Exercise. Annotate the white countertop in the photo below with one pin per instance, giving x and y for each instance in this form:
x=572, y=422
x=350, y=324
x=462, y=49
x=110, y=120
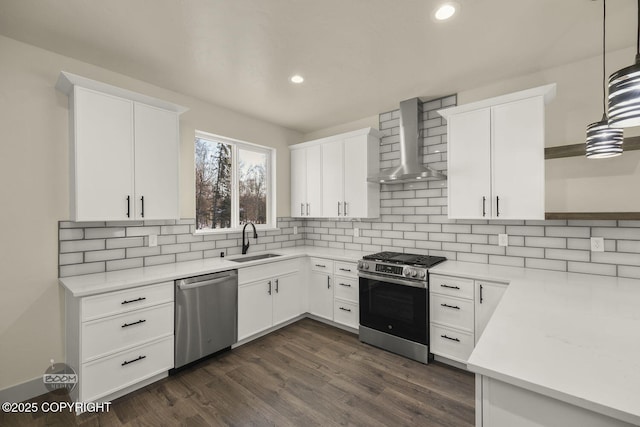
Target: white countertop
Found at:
x=573, y=337
x=97, y=283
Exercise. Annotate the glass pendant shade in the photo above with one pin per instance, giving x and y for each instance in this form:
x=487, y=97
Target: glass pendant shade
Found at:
x=603, y=141
x=624, y=97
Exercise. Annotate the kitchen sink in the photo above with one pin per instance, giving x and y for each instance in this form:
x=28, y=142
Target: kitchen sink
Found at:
x=254, y=257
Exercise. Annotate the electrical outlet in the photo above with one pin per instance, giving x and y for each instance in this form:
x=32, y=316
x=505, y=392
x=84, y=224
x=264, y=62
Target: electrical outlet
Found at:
x=356, y=232
x=295, y=229
x=597, y=244
x=503, y=240
x=153, y=240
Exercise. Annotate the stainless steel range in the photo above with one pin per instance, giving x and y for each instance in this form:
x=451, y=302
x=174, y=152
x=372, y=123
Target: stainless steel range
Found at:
x=394, y=302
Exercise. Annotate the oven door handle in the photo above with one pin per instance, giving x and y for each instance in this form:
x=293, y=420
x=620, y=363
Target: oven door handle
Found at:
x=394, y=280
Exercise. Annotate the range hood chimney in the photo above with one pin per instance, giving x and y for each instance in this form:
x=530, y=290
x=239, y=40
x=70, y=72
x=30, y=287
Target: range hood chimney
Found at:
x=411, y=168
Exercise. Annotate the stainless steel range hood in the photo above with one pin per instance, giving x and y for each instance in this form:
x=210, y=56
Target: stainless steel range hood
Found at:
x=410, y=168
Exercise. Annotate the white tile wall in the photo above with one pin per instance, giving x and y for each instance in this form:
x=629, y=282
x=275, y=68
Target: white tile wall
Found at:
x=97, y=247
x=413, y=219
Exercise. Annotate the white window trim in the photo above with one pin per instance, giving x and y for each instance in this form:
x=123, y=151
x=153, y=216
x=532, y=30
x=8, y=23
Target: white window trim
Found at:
x=235, y=195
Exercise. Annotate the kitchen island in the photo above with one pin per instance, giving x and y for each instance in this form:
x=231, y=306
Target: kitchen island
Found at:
x=561, y=349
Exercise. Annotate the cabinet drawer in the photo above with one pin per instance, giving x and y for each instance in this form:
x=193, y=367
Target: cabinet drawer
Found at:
x=268, y=270
x=112, y=303
x=321, y=264
x=346, y=313
x=109, y=374
x=451, y=311
x=346, y=269
x=451, y=343
x=116, y=333
x=454, y=286
x=345, y=288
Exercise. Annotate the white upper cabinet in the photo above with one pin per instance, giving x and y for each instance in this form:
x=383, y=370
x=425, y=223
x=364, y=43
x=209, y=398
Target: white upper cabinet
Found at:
x=496, y=156
x=124, y=153
x=332, y=173
x=306, y=182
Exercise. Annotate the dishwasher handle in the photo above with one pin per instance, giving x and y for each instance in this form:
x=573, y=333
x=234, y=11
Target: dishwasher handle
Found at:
x=183, y=285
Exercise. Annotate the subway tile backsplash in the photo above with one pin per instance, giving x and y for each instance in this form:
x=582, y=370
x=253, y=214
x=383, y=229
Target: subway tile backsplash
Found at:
x=413, y=218
x=98, y=247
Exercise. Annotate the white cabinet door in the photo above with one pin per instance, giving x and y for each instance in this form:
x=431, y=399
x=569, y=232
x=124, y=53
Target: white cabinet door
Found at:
x=332, y=179
x=469, y=164
x=298, y=182
x=355, y=177
x=102, y=157
x=157, y=154
x=488, y=295
x=518, y=159
x=321, y=295
x=314, y=181
x=255, y=312
x=287, y=297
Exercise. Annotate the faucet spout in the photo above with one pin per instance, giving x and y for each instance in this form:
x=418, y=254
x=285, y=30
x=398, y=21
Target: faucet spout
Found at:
x=245, y=245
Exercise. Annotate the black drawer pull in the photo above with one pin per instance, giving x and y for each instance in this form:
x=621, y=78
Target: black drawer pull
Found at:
x=345, y=269
x=345, y=309
x=321, y=266
x=449, y=338
x=450, y=287
x=450, y=306
x=126, y=362
x=133, y=300
x=345, y=284
x=134, y=323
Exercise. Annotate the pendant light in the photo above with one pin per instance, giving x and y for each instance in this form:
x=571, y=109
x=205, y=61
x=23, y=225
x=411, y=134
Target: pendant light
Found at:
x=624, y=92
x=602, y=140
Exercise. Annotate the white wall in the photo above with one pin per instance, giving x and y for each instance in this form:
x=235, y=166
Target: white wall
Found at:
x=34, y=191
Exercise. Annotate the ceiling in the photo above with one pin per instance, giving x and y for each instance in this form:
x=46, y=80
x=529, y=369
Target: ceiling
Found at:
x=359, y=57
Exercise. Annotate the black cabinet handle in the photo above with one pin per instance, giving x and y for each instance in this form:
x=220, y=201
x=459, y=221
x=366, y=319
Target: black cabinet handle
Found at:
x=128, y=206
x=450, y=287
x=497, y=206
x=481, y=294
x=328, y=282
x=345, y=309
x=344, y=284
x=142, y=210
x=269, y=291
x=338, y=208
x=277, y=286
x=126, y=362
x=301, y=209
x=449, y=338
x=345, y=269
x=133, y=300
x=321, y=266
x=307, y=209
x=450, y=306
x=126, y=325
x=346, y=212
x=484, y=206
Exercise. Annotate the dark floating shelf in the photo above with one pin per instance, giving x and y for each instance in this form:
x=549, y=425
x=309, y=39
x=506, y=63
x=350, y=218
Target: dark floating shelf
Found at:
x=574, y=150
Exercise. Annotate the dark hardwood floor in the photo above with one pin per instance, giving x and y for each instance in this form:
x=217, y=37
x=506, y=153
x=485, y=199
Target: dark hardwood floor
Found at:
x=306, y=374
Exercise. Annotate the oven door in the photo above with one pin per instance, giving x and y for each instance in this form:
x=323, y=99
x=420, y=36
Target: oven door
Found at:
x=393, y=306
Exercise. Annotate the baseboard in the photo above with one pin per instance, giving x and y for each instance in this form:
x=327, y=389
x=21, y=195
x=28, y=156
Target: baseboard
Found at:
x=24, y=391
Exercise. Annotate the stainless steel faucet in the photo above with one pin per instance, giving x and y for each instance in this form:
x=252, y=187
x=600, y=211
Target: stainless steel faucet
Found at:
x=245, y=246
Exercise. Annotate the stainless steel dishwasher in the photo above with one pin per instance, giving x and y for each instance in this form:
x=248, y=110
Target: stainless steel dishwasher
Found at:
x=206, y=319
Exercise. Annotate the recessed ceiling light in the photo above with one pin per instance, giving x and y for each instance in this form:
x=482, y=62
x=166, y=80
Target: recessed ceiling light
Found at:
x=297, y=79
x=445, y=11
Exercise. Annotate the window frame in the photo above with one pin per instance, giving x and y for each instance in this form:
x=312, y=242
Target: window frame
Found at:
x=236, y=146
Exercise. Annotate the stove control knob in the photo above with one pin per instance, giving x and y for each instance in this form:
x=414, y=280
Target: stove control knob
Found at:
x=365, y=265
x=406, y=272
x=422, y=275
x=414, y=273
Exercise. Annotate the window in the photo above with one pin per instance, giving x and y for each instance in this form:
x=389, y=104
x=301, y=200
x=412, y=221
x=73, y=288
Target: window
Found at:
x=234, y=183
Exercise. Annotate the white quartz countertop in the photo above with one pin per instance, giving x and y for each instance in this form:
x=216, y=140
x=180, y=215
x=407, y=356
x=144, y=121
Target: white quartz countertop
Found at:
x=573, y=337
x=97, y=283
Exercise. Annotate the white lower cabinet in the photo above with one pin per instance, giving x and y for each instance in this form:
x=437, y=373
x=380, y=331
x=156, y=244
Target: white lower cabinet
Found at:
x=346, y=295
x=459, y=309
x=119, y=340
x=321, y=288
x=268, y=295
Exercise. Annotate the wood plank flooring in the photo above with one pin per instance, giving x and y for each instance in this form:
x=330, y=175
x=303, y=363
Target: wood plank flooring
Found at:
x=306, y=374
